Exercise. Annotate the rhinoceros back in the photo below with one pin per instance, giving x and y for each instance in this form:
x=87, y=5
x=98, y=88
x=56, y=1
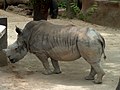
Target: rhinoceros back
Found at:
x=57, y=41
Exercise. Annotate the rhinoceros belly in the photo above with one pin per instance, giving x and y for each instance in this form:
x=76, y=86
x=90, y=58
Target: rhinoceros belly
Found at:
x=63, y=53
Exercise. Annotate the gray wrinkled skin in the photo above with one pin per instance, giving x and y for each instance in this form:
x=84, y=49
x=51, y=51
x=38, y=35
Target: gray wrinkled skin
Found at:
x=60, y=43
x=16, y=51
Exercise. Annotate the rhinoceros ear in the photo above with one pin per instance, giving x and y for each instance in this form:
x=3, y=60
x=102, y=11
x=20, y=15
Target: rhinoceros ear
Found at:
x=18, y=30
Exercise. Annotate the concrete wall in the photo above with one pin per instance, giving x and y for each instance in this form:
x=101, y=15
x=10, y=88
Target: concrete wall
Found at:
x=3, y=40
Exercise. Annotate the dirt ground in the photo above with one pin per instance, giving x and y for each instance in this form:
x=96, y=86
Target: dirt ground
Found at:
x=27, y=73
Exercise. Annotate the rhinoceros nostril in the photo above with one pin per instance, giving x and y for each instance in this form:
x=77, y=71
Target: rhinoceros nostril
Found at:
x=9, y=57
x=12, y=60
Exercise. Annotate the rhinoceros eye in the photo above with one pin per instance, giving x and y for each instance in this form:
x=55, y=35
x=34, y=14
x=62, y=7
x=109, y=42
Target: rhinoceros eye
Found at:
x=16, y=49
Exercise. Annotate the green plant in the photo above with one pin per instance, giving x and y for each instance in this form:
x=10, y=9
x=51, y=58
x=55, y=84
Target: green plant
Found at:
x=75, y=8
x=91, y=10
x=62, y=4
x=77, y=11
x=81, y=15
x=31, y=2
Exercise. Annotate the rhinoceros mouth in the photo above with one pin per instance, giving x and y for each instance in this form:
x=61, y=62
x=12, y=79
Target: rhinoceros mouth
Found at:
x=12, y=60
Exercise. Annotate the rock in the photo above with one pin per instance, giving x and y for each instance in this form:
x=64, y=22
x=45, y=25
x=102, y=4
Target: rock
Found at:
x=21, y=6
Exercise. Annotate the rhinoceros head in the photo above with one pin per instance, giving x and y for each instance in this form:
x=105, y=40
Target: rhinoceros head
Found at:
x=17, y=50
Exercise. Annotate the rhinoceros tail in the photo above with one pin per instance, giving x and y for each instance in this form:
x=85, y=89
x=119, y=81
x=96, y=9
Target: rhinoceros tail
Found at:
x=102, y=42
x=104, y=48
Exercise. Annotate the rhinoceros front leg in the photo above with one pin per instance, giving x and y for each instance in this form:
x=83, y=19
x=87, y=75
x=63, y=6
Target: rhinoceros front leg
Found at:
x=44, y=59
x=91, y=75
x=56, y=66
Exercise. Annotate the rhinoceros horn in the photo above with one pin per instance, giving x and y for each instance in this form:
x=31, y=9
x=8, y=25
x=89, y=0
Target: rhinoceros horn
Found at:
x=18, y=30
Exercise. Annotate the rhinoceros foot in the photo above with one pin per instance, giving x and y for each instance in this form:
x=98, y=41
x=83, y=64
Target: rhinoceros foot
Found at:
x=89, y=78
x=97, y=82
x=47, y=72
x=56, y=72
x=50, y=72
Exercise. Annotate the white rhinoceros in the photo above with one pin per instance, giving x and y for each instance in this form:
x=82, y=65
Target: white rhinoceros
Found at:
x=60, y=43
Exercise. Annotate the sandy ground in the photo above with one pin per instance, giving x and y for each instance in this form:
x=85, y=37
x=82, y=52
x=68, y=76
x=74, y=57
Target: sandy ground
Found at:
x=27, y=73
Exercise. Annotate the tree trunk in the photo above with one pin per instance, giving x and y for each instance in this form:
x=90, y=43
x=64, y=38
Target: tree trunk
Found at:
x=5, y=5
x=40, y=8
x=69, y=10
x=79, y=4
x=53, y=9
x=86, y=4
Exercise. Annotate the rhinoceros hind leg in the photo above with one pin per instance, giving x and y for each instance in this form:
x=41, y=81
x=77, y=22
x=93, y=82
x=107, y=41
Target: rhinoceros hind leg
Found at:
x=93, y=58
x=56, y=66
x=91, y=75
x=44, y=59
x=99, y=71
